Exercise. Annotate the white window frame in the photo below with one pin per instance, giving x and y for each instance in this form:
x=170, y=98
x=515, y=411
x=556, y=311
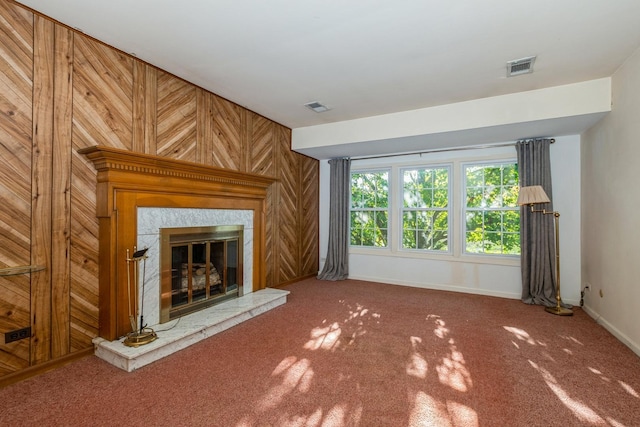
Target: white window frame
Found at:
x=389, y=192
x=401, y=208
x=463, y=215
x=457, y=228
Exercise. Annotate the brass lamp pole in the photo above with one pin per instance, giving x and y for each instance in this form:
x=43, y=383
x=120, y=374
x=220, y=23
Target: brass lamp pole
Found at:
x=531, y=196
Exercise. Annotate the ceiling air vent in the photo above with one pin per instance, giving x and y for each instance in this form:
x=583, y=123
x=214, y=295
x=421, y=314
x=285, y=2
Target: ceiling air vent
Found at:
x=317, y=107
x=520, y=66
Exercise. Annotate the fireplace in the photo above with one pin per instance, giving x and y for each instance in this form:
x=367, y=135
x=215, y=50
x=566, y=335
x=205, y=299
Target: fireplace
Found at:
x=191, y=225
x=200, y=267
x=129, y=182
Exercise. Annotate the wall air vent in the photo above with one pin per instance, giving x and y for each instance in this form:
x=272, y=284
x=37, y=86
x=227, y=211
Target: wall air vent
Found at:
x=520, y=66
x=317, y=107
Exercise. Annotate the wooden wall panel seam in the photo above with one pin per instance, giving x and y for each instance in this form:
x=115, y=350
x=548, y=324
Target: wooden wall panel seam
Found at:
x=61, y=193
x=41, y=189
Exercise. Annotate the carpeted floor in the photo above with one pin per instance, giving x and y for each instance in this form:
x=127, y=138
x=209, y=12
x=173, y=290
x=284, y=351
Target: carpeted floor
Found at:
x=354, y=353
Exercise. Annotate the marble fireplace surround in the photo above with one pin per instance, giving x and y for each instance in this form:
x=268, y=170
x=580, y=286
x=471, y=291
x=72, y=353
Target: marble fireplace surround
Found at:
x=151, y=220
x=130, y=183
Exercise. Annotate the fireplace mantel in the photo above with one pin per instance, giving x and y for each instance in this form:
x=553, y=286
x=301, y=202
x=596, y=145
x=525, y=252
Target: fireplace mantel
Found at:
x=127, y=180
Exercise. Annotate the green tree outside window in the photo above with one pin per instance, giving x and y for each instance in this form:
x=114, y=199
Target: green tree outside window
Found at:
x=425, y=210
x=492, y=216
x=369, y=209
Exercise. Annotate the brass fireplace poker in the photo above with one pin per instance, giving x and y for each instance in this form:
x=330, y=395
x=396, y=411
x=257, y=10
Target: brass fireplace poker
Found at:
x=140, y=334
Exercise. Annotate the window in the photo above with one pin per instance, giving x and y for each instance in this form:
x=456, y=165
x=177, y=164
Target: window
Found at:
x=425, y=209
x=454, y=207
x=369, y=208
x=492, y=216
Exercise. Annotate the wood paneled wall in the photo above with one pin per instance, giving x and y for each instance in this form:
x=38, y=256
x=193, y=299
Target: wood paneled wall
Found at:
x=61, y=91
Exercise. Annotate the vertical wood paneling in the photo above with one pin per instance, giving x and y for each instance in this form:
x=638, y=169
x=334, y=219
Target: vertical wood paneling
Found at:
x=204, y=126
x=150, y=109
x=16, y=91
x=138, y=107
x=176, y=137
x=144, y=108
x=41, y=198
x=61, y=193
x=308, y=202
x=227, y=150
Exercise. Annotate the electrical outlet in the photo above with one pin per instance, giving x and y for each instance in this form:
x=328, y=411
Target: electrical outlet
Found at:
x=18, y=334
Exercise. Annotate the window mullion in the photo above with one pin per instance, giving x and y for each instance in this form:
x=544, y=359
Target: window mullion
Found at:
x=457, y=225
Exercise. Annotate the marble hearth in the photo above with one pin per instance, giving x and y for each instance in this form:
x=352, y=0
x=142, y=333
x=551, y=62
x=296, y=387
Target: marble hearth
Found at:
x=190, y=329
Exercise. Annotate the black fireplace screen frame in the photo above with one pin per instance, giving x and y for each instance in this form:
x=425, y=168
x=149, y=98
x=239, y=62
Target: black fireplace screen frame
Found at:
x=199, y=267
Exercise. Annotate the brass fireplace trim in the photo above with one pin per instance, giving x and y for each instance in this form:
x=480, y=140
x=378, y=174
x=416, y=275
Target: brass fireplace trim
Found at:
x=221, y=232
x=127, y=180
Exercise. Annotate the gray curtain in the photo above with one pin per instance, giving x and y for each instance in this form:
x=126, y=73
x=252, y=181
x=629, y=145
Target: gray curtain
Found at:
x=537, y=236
x=336, y=266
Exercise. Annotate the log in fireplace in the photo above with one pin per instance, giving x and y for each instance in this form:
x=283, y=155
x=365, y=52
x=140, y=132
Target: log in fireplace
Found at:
x=200, y=267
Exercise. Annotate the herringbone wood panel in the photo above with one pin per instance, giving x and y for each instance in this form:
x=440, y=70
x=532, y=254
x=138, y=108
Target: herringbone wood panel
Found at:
x=102, y=115
x=84, y=254
x=176, y=118
x=262, y=155
x=271, y=236
x=102, y=95
x=288, y=221
x=227, y=140
x=309, y=204
x=16, y=63
x=261, y=147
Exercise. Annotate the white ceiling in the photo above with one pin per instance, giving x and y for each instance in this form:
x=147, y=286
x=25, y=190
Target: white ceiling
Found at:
x=361, y=57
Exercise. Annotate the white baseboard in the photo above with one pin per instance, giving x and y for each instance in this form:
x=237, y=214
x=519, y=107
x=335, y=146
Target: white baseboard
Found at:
x=439, y=287
x=635, y=347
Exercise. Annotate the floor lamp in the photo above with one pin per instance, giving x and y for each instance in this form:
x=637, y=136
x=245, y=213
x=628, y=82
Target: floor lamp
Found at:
x=533, y=195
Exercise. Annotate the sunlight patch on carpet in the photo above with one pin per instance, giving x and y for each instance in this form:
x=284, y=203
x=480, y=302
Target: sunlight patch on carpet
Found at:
x=417, y=365
x=581, y=411
x=324, y=338
x=628, y=389
x=297, y=376
x=453, y=373
x=520, y=334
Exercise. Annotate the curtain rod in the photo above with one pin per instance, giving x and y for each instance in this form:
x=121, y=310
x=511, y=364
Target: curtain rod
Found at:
x=442, y=150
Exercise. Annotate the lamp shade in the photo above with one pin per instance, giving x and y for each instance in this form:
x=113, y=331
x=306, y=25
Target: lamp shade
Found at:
x=532, y=195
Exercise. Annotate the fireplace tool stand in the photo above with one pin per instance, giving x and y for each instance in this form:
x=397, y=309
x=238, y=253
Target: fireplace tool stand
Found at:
x=140, y=334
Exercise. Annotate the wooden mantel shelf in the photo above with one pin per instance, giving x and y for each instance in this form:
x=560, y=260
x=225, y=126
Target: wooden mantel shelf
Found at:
x=127, y=180
x=109, y=162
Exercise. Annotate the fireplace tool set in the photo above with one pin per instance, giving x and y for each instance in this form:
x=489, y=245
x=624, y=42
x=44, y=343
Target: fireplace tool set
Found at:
x=140, y=334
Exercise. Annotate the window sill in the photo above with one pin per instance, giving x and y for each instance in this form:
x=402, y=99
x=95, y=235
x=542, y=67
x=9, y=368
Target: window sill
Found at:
x=512, y=261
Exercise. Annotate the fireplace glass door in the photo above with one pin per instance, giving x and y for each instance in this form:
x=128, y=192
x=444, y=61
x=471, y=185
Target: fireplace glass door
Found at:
x=200, y=267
